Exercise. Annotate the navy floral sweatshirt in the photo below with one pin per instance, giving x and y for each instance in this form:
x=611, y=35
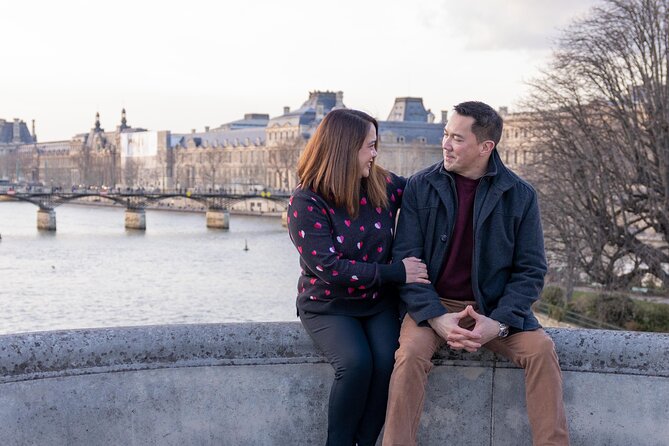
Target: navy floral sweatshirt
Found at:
x=345, y=262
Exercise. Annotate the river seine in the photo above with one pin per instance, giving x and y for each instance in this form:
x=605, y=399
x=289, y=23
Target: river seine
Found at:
x=92, y=272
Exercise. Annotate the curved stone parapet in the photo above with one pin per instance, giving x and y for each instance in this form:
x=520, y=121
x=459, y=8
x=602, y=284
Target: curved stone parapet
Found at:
x=265, y=384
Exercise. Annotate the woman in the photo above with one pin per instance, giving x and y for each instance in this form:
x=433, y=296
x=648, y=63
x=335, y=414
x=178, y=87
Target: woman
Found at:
x=341, y=219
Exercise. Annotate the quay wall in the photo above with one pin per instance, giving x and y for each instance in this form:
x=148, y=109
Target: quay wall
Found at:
x=265, y=384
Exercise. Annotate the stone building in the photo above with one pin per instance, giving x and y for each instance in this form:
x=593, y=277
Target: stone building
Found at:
x=251, y=154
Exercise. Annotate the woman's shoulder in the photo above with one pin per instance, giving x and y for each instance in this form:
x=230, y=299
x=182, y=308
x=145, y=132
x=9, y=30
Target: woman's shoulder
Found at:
x=395, y=180
x=301, y=196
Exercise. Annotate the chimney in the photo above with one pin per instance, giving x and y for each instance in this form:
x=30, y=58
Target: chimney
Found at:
x=286, y=110
x=17, y=131
x=192, y=131
x=206, y=128
x=503, y=111
x=339, y=102
x=444, y=116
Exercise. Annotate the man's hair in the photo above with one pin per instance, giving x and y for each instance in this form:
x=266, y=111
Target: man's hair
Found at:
x=487, y=122
x=329, y=163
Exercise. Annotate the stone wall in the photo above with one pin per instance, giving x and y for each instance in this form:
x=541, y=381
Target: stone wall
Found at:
x=264, y=384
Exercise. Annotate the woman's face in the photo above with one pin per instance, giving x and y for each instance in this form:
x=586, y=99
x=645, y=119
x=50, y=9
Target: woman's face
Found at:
x=367, y=152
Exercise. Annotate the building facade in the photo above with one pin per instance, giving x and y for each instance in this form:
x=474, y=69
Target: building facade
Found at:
x=253, y=153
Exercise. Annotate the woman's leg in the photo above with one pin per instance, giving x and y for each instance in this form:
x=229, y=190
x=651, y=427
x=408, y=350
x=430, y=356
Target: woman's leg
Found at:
x=383, y=332
x=344, y=343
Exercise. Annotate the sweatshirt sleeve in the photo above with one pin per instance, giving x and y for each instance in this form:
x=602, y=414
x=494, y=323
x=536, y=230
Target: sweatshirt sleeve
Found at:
x=311, y=232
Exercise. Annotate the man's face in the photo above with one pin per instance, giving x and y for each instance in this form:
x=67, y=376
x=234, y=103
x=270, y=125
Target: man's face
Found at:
x=463, y=154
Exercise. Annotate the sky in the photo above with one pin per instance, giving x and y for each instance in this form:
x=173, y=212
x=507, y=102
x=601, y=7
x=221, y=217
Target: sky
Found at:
x=181, y=65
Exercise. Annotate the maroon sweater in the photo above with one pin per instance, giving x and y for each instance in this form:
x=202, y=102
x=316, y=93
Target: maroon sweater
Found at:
x=455, y=280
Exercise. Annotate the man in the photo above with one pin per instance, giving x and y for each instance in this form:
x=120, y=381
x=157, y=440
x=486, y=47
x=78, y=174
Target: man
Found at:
x=477, y=227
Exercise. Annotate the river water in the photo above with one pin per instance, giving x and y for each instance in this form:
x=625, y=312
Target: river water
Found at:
x=92, y=272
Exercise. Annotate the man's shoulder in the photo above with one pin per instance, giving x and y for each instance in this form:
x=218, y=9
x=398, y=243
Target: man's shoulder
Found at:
x=424, y=174
x=510, y=180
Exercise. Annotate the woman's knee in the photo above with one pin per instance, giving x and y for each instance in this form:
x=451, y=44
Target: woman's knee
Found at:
x=353, y=362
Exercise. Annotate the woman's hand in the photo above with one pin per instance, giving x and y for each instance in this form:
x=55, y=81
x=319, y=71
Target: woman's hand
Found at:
x=416, y=271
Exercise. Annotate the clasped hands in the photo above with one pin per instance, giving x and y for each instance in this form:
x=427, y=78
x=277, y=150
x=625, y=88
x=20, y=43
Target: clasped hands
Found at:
x=458, y=338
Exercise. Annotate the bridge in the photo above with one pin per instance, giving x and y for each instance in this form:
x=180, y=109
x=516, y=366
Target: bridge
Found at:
x=135, y=202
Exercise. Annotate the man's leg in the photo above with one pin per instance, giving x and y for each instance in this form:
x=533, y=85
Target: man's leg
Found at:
x=413, y=362
x=534, y=351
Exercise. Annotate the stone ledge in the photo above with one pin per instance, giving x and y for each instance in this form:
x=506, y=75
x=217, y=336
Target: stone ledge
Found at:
x=65, y=353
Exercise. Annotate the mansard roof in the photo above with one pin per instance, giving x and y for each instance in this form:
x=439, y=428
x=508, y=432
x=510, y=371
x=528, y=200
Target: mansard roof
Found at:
x=312, y=110
x=8, y=135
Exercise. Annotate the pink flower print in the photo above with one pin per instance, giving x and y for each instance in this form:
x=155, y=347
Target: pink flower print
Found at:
x=332, y=250
x=363, y=201
x=390, y=214
x=317, y=225
x=379, y=249
x=319, y=268
x=312, y=297
x=295, y=214
x=350, y=290
x=310, y=208
x=299, y=248
x=354, y=278
x=347, y=223
x=399, y=192
x=377, y=225
x=335, y=272
x=388, y=180
x=375, y=295
x=301, y=233
x=378, y=210
x=340, y=238
x=352, y=262
x=365, y=257
x=288, y=219
x=364, y=295
x=324, y=212
x=327, y=292
x=359, y=245
x=313, y=198
x=362, y=229
x=361, y=287
x=331, y=211
x=392, y=197
x=313, y=253
x=290, y=202
x=312, y=281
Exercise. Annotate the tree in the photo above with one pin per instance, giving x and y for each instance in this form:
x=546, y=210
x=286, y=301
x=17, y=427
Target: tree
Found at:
x=282, y=162
x=600, y=119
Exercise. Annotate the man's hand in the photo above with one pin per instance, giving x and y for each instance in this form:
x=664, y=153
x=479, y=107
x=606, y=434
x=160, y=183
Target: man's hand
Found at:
x=486, y=329
x=455, y=336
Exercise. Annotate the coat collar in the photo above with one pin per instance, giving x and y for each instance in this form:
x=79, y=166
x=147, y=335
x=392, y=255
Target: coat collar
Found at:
x=499, y=175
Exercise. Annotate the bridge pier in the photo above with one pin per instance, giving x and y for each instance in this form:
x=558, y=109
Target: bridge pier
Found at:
x=46, y=220
x=135, y=219
x=218, y=219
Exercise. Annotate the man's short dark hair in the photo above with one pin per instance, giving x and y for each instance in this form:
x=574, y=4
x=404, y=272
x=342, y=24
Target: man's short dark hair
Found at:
x=487, y=122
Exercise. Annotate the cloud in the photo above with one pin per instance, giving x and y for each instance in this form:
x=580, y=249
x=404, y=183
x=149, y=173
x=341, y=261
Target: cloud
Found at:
x=506, y=25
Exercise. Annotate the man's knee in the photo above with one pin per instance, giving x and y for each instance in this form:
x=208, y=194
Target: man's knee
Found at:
x=414, y=353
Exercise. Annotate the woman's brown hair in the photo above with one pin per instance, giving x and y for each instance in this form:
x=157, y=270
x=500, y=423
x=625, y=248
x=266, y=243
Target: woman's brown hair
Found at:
x=329, y=163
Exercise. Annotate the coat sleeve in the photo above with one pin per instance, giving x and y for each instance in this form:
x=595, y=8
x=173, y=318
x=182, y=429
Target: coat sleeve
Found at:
x=421, y=300
x=529, y=268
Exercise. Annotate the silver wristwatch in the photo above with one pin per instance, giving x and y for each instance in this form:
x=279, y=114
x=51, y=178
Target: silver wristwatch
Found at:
x=503, y=330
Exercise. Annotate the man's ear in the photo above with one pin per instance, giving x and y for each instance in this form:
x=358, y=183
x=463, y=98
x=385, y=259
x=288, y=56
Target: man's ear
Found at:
x=486, y=147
